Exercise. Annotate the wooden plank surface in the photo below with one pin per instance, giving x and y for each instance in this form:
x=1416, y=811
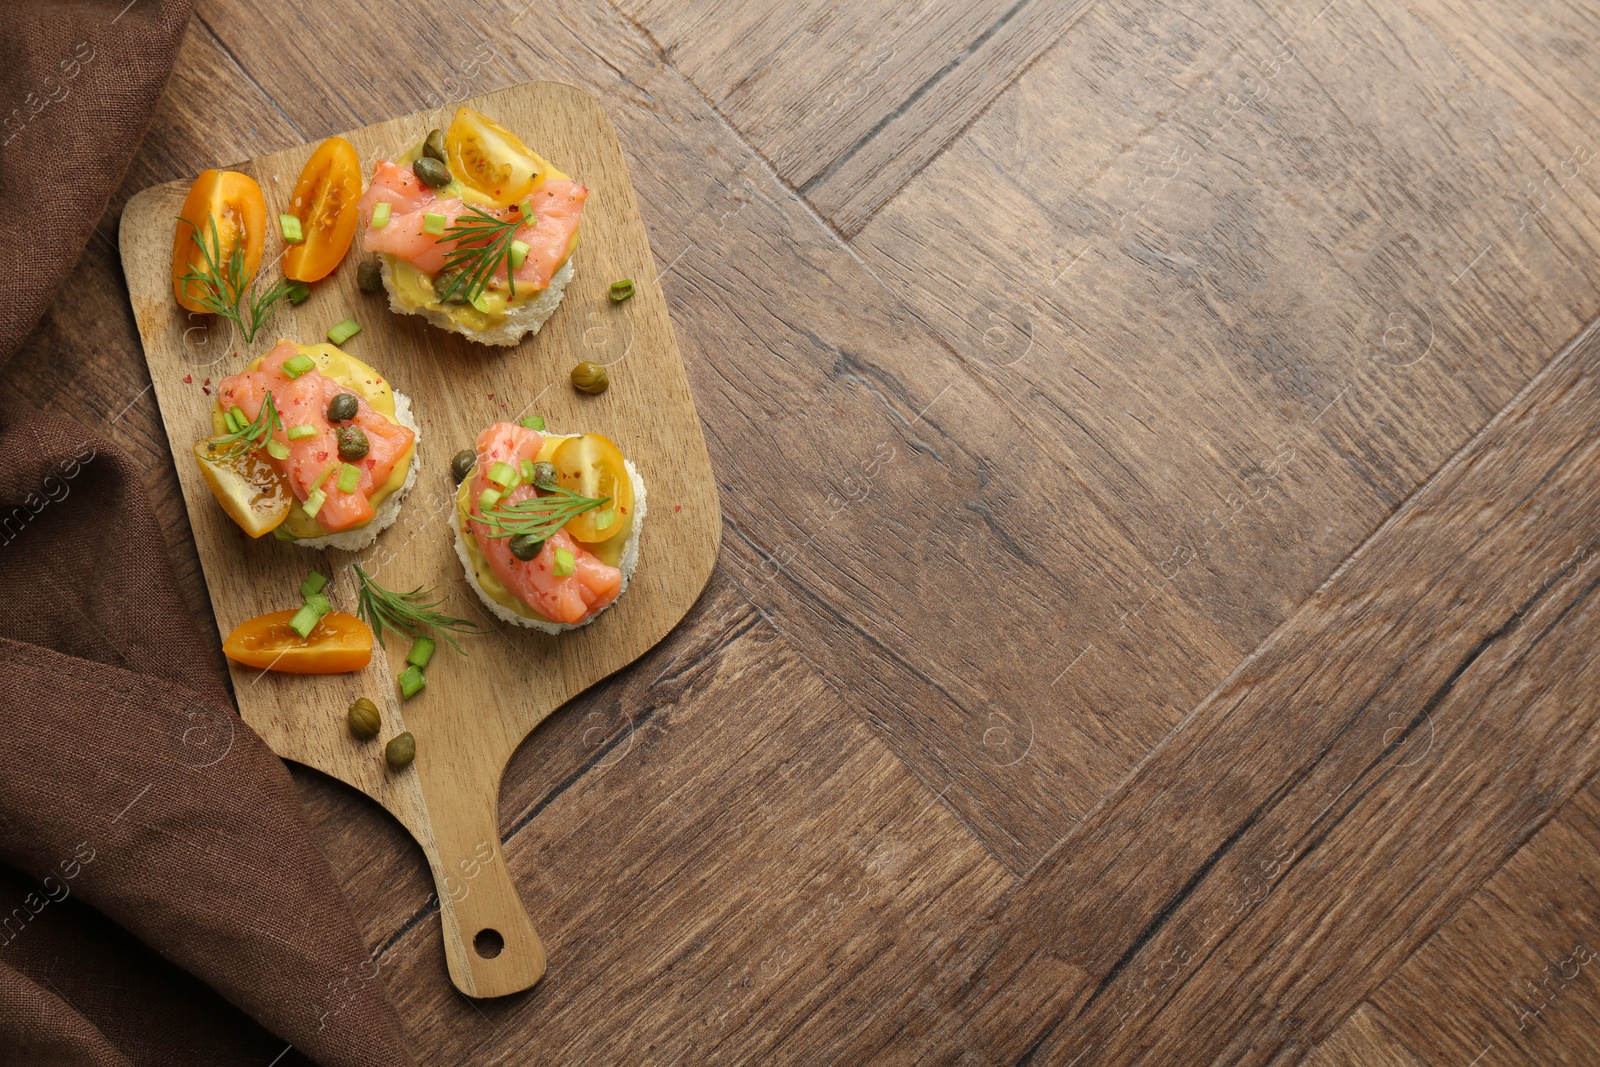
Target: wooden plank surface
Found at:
x=960, y=558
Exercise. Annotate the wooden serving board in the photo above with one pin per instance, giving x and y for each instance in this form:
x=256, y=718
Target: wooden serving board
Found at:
x=476, y=709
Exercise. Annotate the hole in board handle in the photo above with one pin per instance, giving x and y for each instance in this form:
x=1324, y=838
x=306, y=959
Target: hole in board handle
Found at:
x=488, y=944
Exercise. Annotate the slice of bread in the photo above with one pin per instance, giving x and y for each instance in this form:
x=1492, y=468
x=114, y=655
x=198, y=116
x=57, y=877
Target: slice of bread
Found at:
x=389, y=510
x=629, y=561
x=521, y=320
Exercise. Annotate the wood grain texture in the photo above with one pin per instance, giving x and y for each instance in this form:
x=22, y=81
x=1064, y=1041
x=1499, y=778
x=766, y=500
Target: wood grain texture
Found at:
x=849, y=101
x=1339, y=796
x=473, y=717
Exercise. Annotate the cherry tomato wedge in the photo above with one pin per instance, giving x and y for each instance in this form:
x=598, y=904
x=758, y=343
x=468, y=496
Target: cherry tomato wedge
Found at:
x=593, y=466
x=490, y=158
x=337, y=644
x=324, y=201
x=234, y=202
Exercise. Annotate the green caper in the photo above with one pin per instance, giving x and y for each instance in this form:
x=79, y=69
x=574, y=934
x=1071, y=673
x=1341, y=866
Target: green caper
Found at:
x=343, y=408
x=434, y=148
x=431, y=172
x=369, y=276
x=401, y=750
x=525, y=546
x=352, y=442
x=590, y=378
x=462, y=463
x=364, y=718
x=442, y=283
x=544, y=475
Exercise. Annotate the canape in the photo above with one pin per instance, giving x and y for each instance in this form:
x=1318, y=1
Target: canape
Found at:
x=312, y=445
x=547, y=525
x=474, y=231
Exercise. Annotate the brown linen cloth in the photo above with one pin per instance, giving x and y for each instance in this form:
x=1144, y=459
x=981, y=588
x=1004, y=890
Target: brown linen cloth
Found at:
x=161, y=899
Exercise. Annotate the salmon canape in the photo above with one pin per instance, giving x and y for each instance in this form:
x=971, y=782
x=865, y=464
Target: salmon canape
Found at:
x=310, y=444
x=473, y=231
x=547, y=525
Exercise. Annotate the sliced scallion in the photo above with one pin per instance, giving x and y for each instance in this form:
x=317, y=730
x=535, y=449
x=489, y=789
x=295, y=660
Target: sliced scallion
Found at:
x=292, y=234
x=231, y=423
x=314, y=502
x=621, y=290
x=433, y=224
x=519, y=254
x=533, y=422
x=349, y=478
x=525, y=468
x=488, y=499
x=343, y=331
x=603, y=519
x=411, y=682
x=503, y=474
x=565, y=563
x=313, y=583
x=305, y=620
x=298, y=364
x=277, y=449
x=318, y=602
x=298, y=292
x=380, y=216
x=305, y=429
x=421, y=652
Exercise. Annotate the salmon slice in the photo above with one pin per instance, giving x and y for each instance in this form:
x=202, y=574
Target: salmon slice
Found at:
x=557, y=209
x=314, y=461
x=592, y=584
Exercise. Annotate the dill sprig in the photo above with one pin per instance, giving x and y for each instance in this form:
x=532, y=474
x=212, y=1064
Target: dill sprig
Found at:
x=539, y=516
x=406, y=613
x=483, y=242
x=254, y=435
x=222, y=287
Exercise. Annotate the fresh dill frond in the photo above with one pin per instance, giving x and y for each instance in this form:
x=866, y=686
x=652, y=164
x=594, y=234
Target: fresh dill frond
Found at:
x=406, y=613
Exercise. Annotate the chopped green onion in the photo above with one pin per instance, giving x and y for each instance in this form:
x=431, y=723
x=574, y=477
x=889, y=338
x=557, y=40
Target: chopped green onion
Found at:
x=519, y=254
x=411, y=682
x=292, y=234
x=433, y=224
x=526, y=207
x=313, y=583
x=603, y=519
x=380, y=216
x=525, y=468
x=349, y=478
x=231, y=423
x=620, y=291
x=305, y=429
x=343, y=331
x=533, y=422
x=503, y=474
x=488, y=499
x=277, y=449
x=297, y=292
x=314, y=502
x=565, y=563
x=421, y=652
x=480, y=302
x=240, y=417
x=305, y=620
x=318, y=602
x=298, y=364
x=284, y=535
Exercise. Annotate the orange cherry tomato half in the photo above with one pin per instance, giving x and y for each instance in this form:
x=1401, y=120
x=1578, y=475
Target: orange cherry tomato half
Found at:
x=490, y=158
x=233, y=202
x=324, y=201
x=593, y=466
x=337, y=644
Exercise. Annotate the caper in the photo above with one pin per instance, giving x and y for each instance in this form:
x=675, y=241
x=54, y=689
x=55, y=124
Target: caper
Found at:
x=401, y=750
x=431, y=172
x=442, y=283
x=352, y=442
x=590, y=377
x=525, y=546
x=369, y=276
x=434, y=148
x=462, y=463
x=364, y=718
x=343, y=408
x=544, y=475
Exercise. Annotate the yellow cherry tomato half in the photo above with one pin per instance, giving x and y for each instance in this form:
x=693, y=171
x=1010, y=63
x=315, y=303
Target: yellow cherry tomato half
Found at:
x=233, y=202
x=252, y=491
x=489, y=157
x=593, y=466
x=324, y=201
x=338, y=643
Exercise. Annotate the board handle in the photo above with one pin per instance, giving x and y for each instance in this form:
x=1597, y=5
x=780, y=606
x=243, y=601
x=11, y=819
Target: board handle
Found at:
x=489, y=942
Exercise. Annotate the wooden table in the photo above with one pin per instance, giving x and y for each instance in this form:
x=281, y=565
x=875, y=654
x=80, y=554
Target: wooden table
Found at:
x=1161, y=495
